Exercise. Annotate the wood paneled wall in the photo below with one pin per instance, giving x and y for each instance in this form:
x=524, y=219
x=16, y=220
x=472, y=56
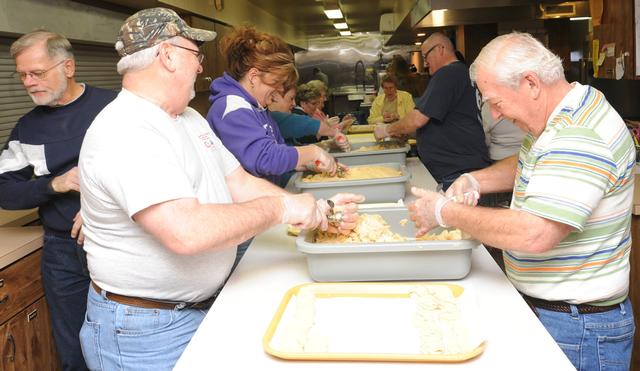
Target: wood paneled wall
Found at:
x=617, y=27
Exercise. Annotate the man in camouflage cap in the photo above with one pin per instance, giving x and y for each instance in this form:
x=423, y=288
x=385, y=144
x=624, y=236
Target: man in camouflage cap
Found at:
x=164, y=203
x=149, y=27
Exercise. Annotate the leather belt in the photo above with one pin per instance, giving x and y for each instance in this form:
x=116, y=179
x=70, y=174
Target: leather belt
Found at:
x=564, y=307
x=154, y=304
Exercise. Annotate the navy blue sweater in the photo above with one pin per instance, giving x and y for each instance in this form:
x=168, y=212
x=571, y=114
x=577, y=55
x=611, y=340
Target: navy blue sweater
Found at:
x=45, y=143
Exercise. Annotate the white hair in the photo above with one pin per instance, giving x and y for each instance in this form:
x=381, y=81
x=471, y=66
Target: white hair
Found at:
x=508, y=57
x=140, y=59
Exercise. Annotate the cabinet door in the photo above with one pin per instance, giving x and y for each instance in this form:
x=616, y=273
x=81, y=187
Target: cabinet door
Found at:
x=13, y=338
x=26, y=341
x=40, y=347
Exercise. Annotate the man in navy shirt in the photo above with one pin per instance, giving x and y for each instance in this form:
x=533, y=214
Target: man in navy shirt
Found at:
x=446, y=119
x=38, y=168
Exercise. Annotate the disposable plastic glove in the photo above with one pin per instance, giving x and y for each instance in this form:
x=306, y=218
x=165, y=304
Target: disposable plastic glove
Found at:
x=342, y=142
x=346, y=122
x=423, y=210
x=380, y=132
x=465, y=190
x=301, y=211
x=347, y=205
x=324, y=163
x=333, y=121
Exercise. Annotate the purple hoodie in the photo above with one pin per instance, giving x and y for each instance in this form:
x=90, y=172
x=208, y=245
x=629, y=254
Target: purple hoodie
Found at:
x=248, y=131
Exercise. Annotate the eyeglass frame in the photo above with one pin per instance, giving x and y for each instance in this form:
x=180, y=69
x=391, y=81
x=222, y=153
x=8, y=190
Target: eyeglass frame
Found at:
x=425, y=55
x=38, y=75
x=197, y=52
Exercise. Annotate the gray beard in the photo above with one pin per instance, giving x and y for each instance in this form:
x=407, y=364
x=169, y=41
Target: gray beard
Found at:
x=51, y=97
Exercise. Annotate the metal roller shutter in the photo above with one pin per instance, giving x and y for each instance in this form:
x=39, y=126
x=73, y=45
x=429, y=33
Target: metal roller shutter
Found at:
x=95, y=65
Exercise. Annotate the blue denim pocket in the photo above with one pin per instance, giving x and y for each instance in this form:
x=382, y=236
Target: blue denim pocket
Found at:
x=91, y=348
x=614, y=343
x=142, y=321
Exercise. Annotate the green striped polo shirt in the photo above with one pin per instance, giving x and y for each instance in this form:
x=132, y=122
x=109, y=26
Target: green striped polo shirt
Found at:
x=579, y=172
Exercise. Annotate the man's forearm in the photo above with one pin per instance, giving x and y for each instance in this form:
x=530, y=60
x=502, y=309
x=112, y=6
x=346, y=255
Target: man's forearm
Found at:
x=408, y=125
x=498, y=177
x=24, y=194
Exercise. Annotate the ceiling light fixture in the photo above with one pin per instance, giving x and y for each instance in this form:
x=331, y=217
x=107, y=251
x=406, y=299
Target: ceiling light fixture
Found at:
x=345, y=33
x=421, y=34
x=332, y=9
x=341, y=26
x=333, y=13
x=417, y=43
x=579, y=18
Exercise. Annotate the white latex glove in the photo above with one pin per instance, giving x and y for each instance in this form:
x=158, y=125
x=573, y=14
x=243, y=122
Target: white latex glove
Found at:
x=342, y=142
x=423, y=210
x=347, y=204
x=324, y=163
x=380, y=132
x=465, y=190
x=333, y=121
x=346, y=122
x=301, y=211
x=389, y=117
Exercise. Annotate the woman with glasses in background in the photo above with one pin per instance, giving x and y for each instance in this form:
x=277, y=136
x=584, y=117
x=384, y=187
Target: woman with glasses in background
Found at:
x=259, y=65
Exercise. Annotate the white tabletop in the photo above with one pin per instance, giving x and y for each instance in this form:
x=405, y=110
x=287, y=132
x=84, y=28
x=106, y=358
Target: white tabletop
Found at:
x=230, y=337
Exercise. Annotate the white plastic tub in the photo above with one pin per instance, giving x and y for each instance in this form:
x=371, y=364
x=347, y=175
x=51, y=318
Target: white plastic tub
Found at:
x=388, y=261
x=387, y=155
x=375, y=190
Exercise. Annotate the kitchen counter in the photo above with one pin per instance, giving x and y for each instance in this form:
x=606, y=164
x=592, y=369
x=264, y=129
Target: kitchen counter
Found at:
x=18, y=242
x=230, y=336
x=17, y=218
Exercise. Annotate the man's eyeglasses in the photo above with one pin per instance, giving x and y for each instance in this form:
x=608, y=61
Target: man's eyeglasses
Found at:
x=425, y=55
x=36, y=75
x=197, y=53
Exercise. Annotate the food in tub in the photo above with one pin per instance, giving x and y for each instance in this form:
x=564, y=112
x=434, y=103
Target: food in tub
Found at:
x=356, y=173
x=373, y=228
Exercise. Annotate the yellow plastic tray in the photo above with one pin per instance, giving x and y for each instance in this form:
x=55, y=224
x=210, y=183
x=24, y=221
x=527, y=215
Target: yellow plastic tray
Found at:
x=358, y=129
x=354, y=289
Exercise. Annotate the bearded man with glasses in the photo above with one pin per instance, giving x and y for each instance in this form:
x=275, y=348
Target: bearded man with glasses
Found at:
x=38, y=168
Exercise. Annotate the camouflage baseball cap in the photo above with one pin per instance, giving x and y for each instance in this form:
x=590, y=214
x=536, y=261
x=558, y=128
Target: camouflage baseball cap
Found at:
x=149, y=27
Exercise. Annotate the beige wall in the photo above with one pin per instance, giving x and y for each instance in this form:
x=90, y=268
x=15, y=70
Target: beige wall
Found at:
x=74, y=20
x=237, y=12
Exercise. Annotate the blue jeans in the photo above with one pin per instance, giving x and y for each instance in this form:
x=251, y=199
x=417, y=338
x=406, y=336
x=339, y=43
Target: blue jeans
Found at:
x=65, y=279
x=115, y=336
x=598, y=341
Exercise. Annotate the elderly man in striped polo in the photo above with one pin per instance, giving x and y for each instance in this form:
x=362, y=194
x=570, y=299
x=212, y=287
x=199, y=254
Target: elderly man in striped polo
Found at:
x=566, y=237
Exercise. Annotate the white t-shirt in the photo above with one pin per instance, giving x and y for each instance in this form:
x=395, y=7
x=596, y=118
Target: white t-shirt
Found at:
x=134, y=156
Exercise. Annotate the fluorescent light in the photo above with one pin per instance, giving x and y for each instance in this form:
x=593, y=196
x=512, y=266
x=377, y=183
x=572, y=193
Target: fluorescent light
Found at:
x=417, y=43
x=580, y=18
x=421, y=34
x=345, y=33
x=333, y=13
x=341, y=26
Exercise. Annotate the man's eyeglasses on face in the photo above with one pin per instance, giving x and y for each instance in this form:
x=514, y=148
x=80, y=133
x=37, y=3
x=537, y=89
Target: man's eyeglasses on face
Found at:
x=36, y=75
x=425, y=55
x=196, y=52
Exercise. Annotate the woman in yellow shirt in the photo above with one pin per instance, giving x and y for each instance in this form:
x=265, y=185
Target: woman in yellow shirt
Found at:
x=391, y=106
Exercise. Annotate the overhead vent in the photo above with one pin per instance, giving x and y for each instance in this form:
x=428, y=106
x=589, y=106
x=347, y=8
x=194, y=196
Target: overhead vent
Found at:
x=562, y=10
x=387, y=23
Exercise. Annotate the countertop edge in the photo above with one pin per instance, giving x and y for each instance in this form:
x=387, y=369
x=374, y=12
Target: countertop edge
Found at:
x=32, y=242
